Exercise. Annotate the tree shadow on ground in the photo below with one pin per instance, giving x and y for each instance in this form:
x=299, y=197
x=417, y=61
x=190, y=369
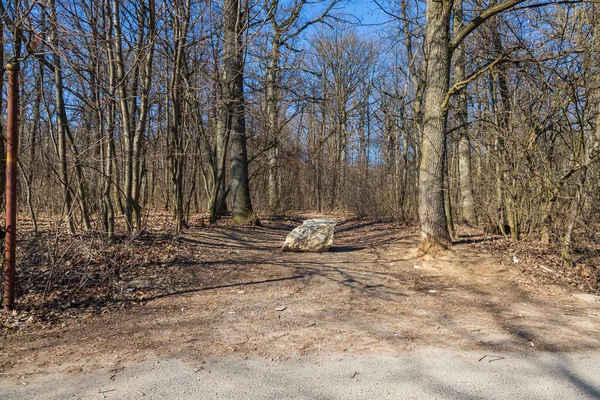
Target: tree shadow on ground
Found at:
x=371, y=274
x=372, y=288
x=345, y=249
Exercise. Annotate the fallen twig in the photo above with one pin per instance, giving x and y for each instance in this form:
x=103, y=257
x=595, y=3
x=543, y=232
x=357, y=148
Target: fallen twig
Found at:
x=493, y=358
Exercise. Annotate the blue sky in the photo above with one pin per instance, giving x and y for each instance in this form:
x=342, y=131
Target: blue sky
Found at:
x=367, y=12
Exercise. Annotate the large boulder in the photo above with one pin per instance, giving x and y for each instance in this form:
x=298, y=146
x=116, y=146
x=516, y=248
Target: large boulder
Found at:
x=314, y=236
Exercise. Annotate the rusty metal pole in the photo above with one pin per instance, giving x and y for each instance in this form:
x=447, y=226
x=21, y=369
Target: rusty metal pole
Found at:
x=12, y=146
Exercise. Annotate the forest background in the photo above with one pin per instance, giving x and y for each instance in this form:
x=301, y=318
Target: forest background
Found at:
x=471, y=112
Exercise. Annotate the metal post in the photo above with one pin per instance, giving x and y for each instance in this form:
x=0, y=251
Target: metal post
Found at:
x=12, y=146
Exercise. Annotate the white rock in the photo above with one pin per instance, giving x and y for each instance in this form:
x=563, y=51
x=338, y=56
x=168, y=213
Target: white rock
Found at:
x=314, y=235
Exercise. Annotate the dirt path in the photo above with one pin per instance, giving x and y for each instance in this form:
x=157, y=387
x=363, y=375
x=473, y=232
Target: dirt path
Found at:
x=246, y=298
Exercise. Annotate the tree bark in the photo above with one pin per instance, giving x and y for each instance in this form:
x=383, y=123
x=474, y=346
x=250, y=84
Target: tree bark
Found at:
x=502, y=112
x=460, y=112
x=434, y=230
x=2, y=142
x=215, y=185
x=448, y=197
x=61, y=122
x=125, y=106
x=148, y=22
x=180, y=31
x=233, y=62
x=567, y=253
x=273, y=123
x=108, y=214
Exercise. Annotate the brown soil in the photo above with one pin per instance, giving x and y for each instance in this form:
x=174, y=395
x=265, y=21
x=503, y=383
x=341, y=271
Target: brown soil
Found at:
x=231, y=291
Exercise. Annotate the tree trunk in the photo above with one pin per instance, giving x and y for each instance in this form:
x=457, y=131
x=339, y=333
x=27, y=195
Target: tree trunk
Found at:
x=29, y=172
x=218, y=194
x=180, y=31
x=81, y=190
x=108, y=214
x=464, y=146
x=61, y=123
x=567, y=253
x=466, y=182
x=399, y=188
x=2, y=143
x=214, y=184
x=434, y=230
x=148, y=22
x=502, y=111
x=126, y=119
x=273, y=124
x=133, y=117
x=448, y=198
x=233, y=62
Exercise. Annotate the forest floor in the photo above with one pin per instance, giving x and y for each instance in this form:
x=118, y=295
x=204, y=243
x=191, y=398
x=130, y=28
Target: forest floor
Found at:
x=230, y=292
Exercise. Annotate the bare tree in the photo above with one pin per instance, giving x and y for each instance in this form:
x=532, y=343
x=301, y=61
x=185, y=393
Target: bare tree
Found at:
x=181, y=17
x=233, y=114
x=434, y=229
x=460, y=115
x=133, y=115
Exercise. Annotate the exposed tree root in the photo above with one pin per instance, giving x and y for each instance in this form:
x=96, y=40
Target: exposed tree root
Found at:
x=432, y=247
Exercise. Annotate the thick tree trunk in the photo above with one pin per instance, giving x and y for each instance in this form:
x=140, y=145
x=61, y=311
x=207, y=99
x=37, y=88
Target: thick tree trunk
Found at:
x=218, y=194
x=233, y=63
x=434, y=230
x=241, y=206
x=221, y=203
x=214, y=183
